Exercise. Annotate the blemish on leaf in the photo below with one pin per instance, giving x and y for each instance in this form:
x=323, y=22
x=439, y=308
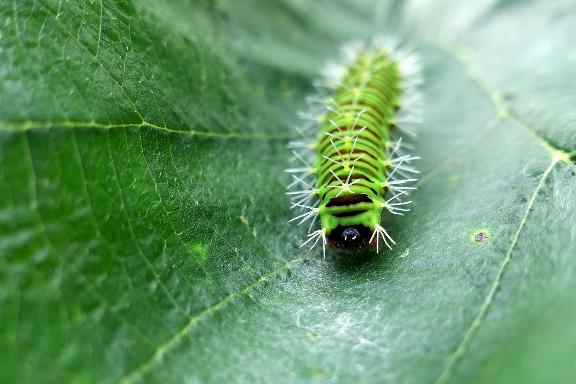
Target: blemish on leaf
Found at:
x=455, y=178
x=199, y=251
x=244, y=221
x=312, y=335
x=286, y=89
x=319, y=372
x=405, y=253
x=480, y=235
x=203, y=75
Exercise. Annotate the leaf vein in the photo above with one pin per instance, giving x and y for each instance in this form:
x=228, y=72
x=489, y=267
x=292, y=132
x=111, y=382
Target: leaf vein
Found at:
x=100, y=19
x=462, y=348
x=168, y=218
x=133, y=235
x=173, y=340
x=95, y=58
x=44, y=231
x=462, y=55
x=73, y=124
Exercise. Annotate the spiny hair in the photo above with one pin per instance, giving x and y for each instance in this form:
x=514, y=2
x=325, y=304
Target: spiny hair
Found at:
x=351, y=161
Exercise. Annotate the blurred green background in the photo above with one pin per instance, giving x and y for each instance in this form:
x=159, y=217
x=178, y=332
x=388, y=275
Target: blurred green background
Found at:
x=143, y=220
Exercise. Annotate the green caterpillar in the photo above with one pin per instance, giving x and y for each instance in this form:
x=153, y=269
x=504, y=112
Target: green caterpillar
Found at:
x=355, y=168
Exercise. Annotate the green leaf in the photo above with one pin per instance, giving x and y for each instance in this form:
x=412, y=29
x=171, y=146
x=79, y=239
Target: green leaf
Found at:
x=143, y=220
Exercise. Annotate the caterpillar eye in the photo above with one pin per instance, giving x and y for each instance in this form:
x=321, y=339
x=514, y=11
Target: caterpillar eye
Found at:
x=351, y=237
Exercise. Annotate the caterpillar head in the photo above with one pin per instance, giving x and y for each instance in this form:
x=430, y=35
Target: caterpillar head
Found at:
x=350, y=237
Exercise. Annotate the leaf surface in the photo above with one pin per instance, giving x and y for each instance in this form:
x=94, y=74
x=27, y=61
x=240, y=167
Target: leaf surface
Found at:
x=143, y=220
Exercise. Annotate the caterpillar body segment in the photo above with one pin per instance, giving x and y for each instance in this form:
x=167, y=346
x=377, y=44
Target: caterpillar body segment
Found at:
x=353, y=165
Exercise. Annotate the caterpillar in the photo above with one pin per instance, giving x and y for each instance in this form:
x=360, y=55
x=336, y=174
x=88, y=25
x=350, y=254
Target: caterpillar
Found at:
x=353, y=164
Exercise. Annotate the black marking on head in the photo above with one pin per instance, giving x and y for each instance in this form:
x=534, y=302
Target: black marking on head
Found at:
x=350, y=238
x=348, y=200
